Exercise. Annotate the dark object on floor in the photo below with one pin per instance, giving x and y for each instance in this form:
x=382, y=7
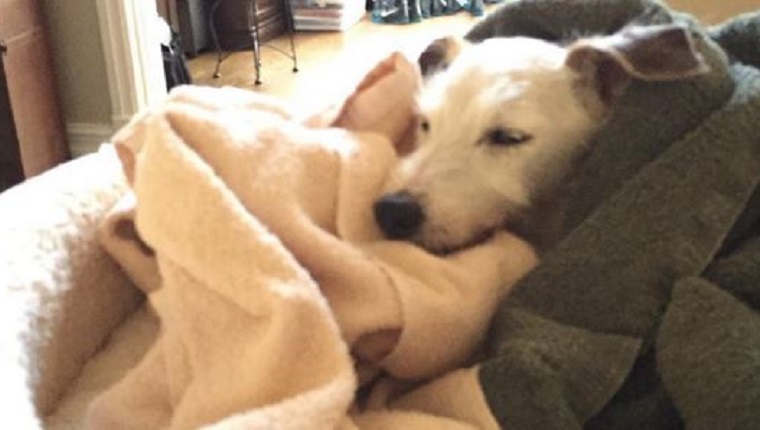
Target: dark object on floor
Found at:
x=175, y=63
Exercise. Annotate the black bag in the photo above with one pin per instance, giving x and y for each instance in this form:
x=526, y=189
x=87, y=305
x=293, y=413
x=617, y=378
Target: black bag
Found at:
x=175, y=63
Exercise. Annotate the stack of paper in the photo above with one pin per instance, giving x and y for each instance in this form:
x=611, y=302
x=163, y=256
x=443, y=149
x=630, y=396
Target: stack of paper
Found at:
x=326, y=14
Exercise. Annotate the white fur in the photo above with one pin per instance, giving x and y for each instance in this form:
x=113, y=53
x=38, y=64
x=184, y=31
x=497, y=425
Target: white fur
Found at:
x=467, y=187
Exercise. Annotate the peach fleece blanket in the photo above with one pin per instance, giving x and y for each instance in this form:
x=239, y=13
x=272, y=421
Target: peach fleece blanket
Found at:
x=278, y=297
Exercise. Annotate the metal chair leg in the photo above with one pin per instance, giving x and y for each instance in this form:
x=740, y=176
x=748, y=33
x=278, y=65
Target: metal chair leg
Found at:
x=252, y=15
x=290, y=23
x=253, y=25
x=215, y=37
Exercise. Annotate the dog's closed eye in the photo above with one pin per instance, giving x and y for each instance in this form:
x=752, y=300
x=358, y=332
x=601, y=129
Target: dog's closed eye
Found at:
x=504, y=137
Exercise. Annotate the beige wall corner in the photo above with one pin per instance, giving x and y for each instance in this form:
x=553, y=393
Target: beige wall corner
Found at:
x=107, y=62
x=79, y=60
x=714, y=11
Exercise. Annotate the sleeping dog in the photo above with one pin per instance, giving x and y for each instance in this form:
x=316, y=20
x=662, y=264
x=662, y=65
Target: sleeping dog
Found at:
x=502, y=124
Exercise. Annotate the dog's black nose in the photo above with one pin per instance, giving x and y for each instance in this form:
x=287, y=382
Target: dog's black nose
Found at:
x=399, y=215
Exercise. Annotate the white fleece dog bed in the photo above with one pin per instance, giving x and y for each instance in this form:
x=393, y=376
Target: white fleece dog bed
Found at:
x=125, y=347
x=52, y=269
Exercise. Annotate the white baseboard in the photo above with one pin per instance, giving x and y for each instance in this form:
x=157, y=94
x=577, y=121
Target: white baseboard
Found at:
x=85, y=138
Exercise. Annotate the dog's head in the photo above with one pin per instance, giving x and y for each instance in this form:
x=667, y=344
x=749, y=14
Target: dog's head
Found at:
x=502, y=123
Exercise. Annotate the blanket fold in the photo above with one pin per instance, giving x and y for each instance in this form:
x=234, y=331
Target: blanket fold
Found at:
x=669, y=192
x=568, y=371
x=738, y=272
x=195, y=375
x=707, y=349
x=279, y=296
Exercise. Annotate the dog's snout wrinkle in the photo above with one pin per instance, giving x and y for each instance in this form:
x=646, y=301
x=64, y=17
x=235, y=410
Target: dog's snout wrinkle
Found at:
x=399, y=215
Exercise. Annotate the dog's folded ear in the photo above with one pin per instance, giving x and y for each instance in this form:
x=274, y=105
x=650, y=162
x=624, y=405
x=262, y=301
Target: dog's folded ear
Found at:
x=651, y=53
x=439, y=54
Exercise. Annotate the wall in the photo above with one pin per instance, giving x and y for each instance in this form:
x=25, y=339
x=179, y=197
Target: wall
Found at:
x=80, y=67
x=714, y=11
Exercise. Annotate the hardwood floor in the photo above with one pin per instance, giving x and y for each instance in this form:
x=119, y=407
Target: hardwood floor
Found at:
x=331, y=63
x=714, y=11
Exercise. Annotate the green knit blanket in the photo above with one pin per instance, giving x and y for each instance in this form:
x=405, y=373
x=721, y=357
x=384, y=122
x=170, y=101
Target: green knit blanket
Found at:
x=645, y=316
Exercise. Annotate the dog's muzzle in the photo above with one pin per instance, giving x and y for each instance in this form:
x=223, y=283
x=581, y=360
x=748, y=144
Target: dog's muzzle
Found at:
x=399, y=215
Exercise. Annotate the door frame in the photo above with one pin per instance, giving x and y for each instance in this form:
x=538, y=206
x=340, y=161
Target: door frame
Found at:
x=134, y=64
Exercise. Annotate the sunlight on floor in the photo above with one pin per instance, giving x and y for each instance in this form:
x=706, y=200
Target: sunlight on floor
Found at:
x=330, y=63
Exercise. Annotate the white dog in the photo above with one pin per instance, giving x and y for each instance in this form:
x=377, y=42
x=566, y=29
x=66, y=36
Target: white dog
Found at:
x=503, y=122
